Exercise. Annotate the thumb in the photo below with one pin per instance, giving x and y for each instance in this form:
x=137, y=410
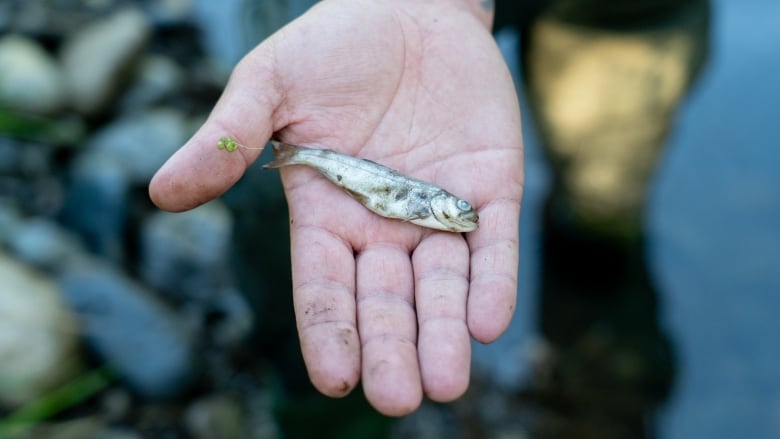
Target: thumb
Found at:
x=198, y=172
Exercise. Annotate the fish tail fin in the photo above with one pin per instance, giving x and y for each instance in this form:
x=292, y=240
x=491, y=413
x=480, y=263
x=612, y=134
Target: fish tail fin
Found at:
x=284, y=154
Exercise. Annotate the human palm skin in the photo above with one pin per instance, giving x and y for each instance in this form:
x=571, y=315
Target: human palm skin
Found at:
x=417, y=86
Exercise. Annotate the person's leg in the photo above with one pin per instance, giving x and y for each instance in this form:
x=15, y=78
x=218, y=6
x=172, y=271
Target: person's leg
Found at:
x=604, y=79
x=603, y=93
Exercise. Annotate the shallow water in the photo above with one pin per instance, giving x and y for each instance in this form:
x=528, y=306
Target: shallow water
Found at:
x=714, y=227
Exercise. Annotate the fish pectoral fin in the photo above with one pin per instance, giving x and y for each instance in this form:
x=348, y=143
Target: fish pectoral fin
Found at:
x=361, y=198
x=419, y=213
x=283, y=153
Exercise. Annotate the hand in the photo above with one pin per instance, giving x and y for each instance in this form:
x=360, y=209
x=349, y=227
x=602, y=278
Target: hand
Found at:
x=420, y=87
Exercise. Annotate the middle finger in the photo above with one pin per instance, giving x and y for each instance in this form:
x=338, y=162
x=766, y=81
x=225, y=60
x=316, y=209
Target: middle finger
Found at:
x=388, y=329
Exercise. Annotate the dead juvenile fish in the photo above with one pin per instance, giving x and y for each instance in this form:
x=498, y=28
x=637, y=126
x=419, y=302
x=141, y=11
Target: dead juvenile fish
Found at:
x=382, y=190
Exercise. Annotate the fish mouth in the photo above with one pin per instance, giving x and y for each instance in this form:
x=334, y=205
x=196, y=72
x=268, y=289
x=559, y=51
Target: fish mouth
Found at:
x=469, y=221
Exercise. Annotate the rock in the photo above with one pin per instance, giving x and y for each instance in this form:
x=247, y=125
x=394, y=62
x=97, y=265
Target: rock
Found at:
x=38, y=336
x=30, y=79
x=52, y=20
x=429, y=421
x=155, y=78
x=124, y=154
x=215, y=416
x=96, y=58
x=234, y=318
x=42, y=242
x=186, y=254
x=170, y=12
x=129, y=328
x=10, y=220
x=117, y=404
x=96, y=204
x=138, y=143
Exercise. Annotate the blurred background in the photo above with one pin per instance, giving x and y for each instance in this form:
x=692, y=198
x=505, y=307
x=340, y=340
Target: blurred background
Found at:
x=650, y=234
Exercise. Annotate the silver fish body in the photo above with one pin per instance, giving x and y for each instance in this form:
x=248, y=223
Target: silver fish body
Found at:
x=382, y=190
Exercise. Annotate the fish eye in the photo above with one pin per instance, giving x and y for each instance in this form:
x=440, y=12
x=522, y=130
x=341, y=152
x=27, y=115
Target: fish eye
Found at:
x=463, y=205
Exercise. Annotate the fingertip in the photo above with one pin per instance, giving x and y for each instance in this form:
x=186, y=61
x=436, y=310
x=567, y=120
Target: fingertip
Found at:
x=194, y=175
x=391, y=376
x=333, y=386
x=396, y=405
x=445, y=359
x=494, y=271
x=332, y=359
x=487, y=317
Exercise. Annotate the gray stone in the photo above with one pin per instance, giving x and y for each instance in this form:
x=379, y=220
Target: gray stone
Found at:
x=129, y=328
x=155, y=78
x=10, y=220
x=236, y=318
x=96, y=204
x=96, y=58
x=38, y=336
x=124, y=154
x=138, y=143
x=186, y=254
x=30, y=79
x=170, y=12
x=43, y=243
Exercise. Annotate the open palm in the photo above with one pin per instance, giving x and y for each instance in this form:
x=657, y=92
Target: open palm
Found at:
x=419, y=88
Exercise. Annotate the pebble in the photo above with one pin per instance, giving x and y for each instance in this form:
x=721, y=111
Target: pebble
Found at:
x=170, y=12
x=96, y=205
x=45, y=244
x=97, y=57
x=31, y=80
x=186, y=254
x=129, y=328
x=138, y=143
x=234, y=321
x=156, y=77
x=38, y=335
x=10, y=220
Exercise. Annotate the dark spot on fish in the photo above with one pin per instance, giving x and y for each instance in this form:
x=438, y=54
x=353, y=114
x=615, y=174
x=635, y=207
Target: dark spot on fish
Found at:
x=401, y=194
x=358, y=196
x=419, y=211
x=338, y=177
x=384, y=190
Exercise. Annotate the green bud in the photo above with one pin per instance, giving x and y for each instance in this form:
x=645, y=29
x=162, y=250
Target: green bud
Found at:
x=227, y=143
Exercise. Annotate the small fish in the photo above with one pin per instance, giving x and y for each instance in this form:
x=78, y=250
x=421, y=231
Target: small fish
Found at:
x=382, y=190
